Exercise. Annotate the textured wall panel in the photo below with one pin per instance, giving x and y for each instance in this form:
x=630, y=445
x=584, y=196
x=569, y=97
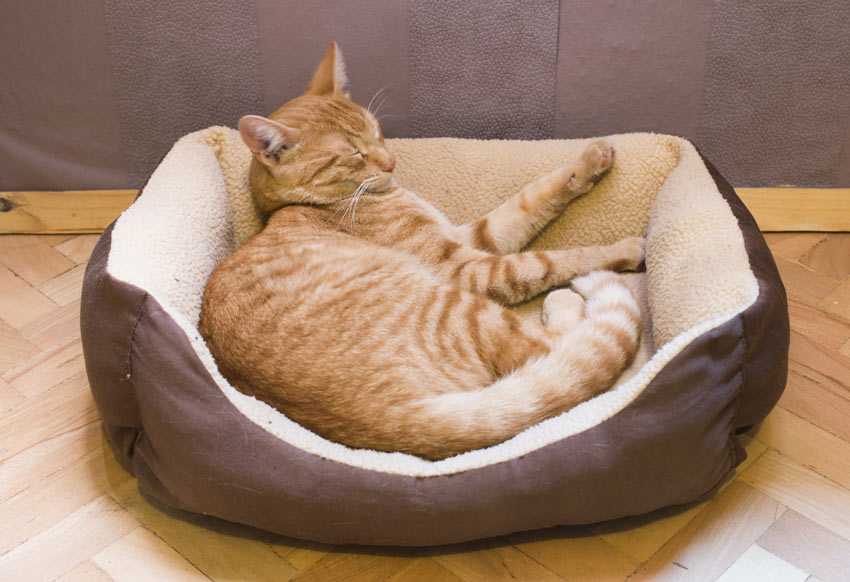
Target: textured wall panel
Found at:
x=179, y=66
x=631, y=66
x=59, y=126
x=372, y=35
x=777, y=99
x=482, y=69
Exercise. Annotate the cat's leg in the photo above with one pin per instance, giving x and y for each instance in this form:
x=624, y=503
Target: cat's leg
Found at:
x=517, y=277
x=512, y=225
x=563, y=309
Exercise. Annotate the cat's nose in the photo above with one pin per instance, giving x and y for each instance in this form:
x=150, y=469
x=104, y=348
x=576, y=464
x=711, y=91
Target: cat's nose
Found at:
x=390, y=165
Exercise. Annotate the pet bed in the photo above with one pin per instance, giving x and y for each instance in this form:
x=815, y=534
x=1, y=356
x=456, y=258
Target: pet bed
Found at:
x=713, y=363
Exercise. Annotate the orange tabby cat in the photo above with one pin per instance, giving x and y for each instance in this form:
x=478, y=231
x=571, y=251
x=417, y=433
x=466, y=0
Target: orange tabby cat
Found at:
x=363, y=314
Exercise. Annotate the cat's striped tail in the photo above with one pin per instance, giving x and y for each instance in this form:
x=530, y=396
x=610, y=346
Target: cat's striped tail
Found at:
x=582, y=363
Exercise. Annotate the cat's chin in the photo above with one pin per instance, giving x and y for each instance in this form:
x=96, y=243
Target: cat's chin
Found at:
x=383, y=187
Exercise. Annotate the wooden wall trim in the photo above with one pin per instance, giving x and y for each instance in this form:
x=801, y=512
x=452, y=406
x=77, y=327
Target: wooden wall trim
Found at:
x=91, y=211
x=787, y=208
x=66, y=211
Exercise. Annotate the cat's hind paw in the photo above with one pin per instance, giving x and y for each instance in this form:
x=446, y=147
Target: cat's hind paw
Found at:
x=562, y=309
x=627, y=254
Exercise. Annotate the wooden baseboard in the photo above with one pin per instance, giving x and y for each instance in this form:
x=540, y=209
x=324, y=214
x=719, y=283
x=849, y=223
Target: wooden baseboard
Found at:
x=806, y=209
x=62, y=212
x=91, y=211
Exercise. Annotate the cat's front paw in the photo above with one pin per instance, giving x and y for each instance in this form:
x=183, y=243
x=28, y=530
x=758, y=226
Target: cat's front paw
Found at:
x=594, y=162
x=627, y=254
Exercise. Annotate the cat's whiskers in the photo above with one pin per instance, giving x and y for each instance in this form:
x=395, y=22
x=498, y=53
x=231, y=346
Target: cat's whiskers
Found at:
x=378, y=108
x=355, y=199
x=372, y=100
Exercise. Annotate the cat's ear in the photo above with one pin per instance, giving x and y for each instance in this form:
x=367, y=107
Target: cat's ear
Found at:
x=329, y=77
x=266, y=138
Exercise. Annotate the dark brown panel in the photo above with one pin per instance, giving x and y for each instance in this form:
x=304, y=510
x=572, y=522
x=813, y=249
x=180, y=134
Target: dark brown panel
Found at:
x=59, y=127
x=777, y=100
x=372, y=35
x=482, y=69
x=628, y=66
x=180, y=66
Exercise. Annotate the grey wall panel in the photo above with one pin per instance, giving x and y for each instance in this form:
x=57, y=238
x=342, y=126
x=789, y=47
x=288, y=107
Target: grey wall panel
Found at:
x=631, y=66
x=777, y=99
x=482, y=69
x=180, y=66
x=59, y=126
x=372, y=35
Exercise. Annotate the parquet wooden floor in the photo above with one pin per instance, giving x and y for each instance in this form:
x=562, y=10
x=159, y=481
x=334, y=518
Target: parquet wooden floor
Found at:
x=68, y=512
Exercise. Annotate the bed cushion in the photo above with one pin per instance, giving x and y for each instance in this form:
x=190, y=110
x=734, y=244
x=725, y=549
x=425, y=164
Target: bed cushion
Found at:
x=713, y=361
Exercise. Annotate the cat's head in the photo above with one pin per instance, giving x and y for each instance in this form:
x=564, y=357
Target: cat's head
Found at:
x=318, y=148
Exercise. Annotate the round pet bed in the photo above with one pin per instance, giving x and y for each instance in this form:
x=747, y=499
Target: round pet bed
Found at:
x=713, y=359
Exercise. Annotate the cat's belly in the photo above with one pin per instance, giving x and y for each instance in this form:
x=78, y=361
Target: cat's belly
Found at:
x=330, y=324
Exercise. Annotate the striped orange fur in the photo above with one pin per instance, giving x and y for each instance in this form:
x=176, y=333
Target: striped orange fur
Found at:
x=363, y=314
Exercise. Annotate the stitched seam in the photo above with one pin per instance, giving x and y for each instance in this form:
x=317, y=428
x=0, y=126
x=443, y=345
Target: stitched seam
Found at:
x=129, y=378
x=132, y=339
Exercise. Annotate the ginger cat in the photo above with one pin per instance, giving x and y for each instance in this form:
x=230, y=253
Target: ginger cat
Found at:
x=363, y=314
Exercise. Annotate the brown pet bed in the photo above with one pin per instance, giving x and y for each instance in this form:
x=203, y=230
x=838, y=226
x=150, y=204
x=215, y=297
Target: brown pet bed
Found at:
x=713, y=361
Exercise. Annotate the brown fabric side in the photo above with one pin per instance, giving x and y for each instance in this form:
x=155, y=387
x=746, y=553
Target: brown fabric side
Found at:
x=108, y=315
x=199, y=453
x=767, y=329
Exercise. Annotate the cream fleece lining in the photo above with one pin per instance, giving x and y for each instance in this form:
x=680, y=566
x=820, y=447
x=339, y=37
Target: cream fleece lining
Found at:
x=197, y=208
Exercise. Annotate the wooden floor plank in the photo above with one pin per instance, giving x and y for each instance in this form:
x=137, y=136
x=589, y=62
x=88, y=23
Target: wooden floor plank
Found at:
x=844, y=350
x=54, y=239
x=817, y=324
x=61, y=409
x=78, y=248
x=807, y=395
x=58, y=364
x=803, y=283
x=808, y=546
x=65, y=288
x=32, y=259
x=802, y=490
x=807, y=444
x=579, y=558
x=715, y=538
x=837, y=301
x=47, y=458
x=85, y=572
x=45, y=502
x=366, y=566
x=21, y=303
x=140, y=556
x=493, y=560
x=14, y=347
x=9, y=397
x=68, y=543
x=423, y=570
x=221, y=550
x=56, y=327
x=793, y=245
x=830, y=256
x=759, y=564
x=301, y=554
